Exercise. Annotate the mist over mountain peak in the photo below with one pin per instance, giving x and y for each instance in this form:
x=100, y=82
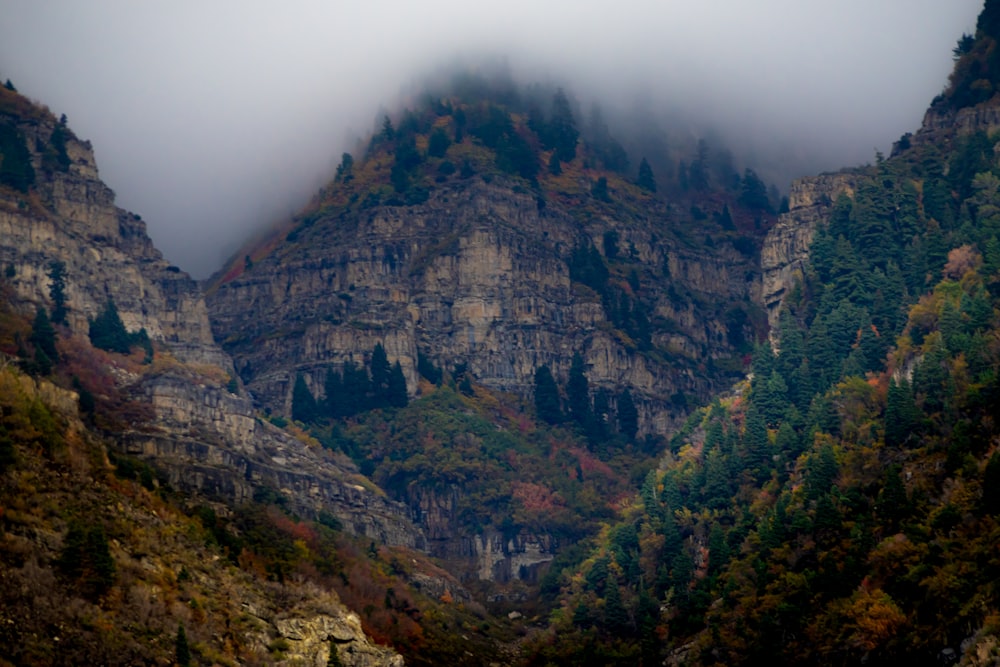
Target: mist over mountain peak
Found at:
x=214, y=123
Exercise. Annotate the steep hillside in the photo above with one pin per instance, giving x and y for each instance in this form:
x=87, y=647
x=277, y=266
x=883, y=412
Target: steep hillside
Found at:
x=475, y=235
x=840, y=506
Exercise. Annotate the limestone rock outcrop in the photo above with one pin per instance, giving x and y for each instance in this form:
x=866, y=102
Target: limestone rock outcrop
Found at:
x=70, y=217
x=207, y=438
x=786, y=246
x=478, y=275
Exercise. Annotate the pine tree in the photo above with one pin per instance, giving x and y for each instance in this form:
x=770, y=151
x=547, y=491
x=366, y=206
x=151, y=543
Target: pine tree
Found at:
x=615, y=615
x=303, y=402
x=182, y=653
x=16, y=169
x=356, y=388
x=821, y=472
x=628, y=415
x=753, y=193
x=717, y=489
x=332, y=390
x=334, y=659
x=755, y=444
x=718, y=549
x=646, y=181
x=561, y=130
x=43, y=337
x=901, y=414
x=396, y=392
x=438, y=143
x=547, y=396
x=57, y=291
x=107, y=332
x=892, y=504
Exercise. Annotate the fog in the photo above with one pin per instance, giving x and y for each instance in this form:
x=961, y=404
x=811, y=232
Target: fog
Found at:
x=213, y=119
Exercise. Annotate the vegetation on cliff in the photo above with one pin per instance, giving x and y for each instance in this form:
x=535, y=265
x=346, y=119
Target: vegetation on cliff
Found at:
x=840, y=506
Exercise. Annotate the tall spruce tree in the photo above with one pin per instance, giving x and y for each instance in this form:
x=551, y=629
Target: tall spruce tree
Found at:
x=561, y=130
x=646, y=181
x=628, y=415
x=396, y=395
x=303, y=402
x=107, y=331
x=547, y=396
x=57, y=291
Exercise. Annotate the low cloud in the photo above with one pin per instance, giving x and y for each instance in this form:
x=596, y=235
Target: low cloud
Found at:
x=212, y=120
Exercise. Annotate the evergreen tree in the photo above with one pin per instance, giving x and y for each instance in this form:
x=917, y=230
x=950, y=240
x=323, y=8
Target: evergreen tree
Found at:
x=547, y=396
x=561, y=130
x=753, y=193
x=718, y=549
x=396, y=393
x=86, y=559
x=332, y=389
x=16, y=170
x=726, y=219
x=182, y=652
x=57, y=291
x=615, y=615
x=717, y=489
x=578, y=391
x=345, y=169
x=303, y=402
x=697, y=172
x=646, y=181
x=599, y=189
x=755, y=443
x=438, y=143
x=901, y=414
x=628, y=415
x=43, y=337
x=107, y=332
x=892, y=504
x=787, y=441
x=356, y=388
x=821, y=472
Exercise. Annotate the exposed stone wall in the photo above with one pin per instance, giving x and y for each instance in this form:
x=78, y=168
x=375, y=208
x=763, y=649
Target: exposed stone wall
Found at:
x=786, y=247
x=478, y=275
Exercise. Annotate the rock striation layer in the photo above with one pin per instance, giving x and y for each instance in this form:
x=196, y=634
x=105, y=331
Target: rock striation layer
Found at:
x=479, y=275
x=786, y=246
x=208, y=439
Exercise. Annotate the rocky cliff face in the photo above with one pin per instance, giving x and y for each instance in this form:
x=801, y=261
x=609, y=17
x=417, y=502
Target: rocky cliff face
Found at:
x=208, y=439
x=70, y=217
x=478, y=275
x=210, y=443
x=942, y=124
x=786, y=247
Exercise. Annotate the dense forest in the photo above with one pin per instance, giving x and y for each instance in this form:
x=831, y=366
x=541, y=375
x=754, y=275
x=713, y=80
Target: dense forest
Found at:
x=839, y=506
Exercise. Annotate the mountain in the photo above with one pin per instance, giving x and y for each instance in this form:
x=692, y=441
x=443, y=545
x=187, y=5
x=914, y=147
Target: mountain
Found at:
x=500, y=395
x=75, y=434
x=839, y=506
x=450, y=240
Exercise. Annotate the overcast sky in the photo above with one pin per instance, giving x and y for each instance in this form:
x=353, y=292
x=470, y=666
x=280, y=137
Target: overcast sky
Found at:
x=211, y=119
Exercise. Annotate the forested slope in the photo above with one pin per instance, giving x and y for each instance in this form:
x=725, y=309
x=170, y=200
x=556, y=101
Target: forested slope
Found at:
x=842, y=504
